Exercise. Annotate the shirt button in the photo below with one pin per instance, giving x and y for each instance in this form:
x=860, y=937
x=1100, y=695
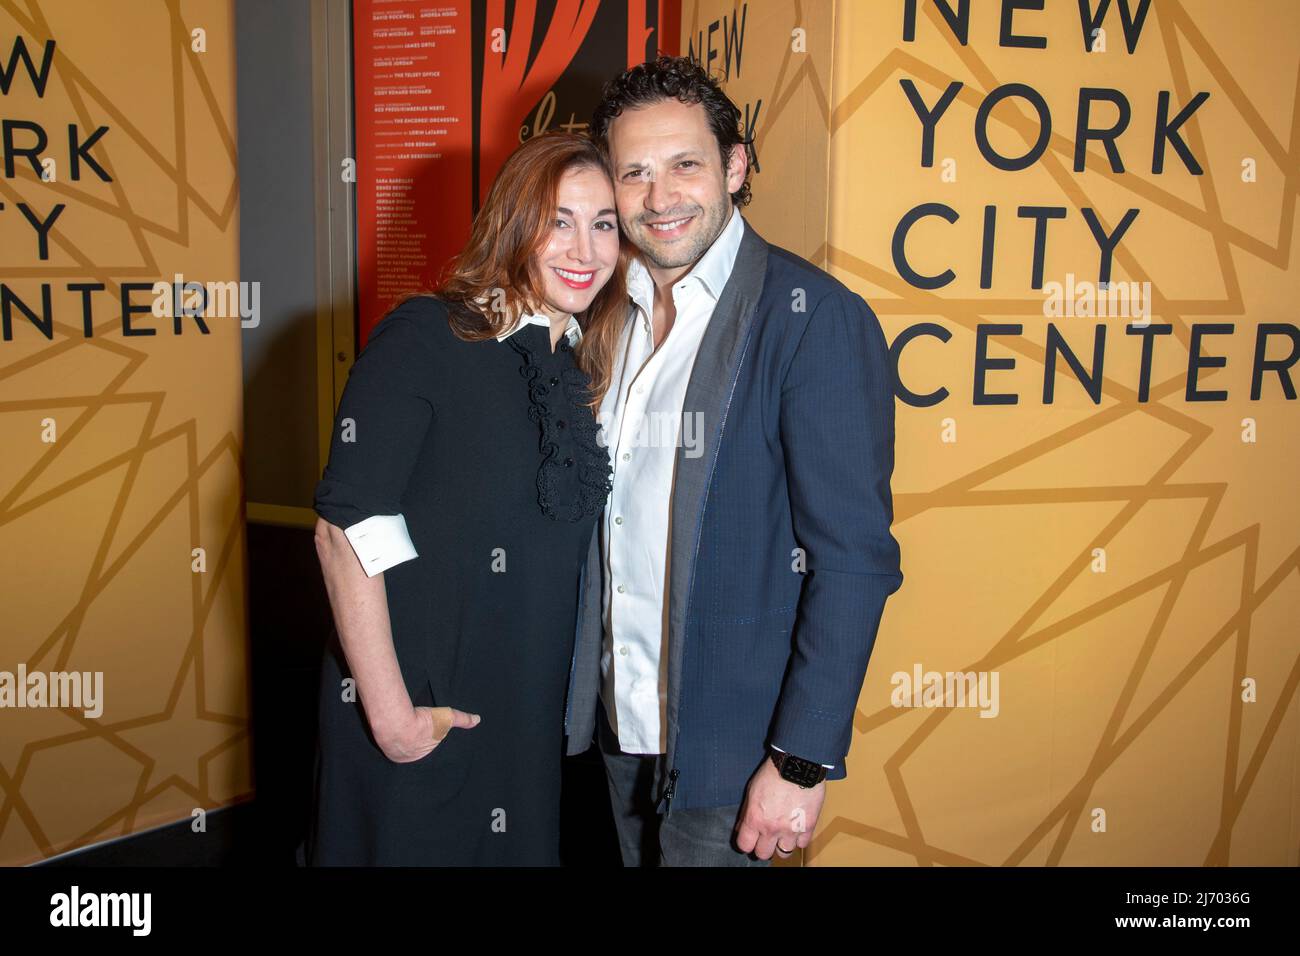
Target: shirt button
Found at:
x=621, y=589
x=627, y=456
x=640, y=389
x=554, y=380
x=568, y=463
x=618, y=519
x=623, y=650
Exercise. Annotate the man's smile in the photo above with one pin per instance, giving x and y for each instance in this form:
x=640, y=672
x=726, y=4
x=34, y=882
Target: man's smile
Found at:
x=670, y=228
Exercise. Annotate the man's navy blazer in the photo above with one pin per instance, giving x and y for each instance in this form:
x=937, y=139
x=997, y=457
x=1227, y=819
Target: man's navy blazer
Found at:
x=780, y=554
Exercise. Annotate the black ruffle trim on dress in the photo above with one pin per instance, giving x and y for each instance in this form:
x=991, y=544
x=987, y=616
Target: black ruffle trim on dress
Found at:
x=594, y=474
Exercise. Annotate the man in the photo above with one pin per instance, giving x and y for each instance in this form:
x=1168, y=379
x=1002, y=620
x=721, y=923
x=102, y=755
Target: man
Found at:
x=736, y=581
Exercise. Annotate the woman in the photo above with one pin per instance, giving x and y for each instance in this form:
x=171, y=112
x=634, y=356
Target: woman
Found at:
x=463, y=485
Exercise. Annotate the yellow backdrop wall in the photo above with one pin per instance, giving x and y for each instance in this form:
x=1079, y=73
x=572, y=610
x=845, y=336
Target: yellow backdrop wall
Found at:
x=121, y=525
x=1120, y=574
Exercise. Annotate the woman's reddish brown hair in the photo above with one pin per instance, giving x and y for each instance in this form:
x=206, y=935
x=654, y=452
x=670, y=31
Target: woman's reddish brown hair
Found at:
x=494, y=281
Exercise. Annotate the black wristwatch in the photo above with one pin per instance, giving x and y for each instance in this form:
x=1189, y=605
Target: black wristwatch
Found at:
x=805, y=773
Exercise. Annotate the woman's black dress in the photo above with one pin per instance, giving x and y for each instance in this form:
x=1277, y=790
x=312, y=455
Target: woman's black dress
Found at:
x=486, y=450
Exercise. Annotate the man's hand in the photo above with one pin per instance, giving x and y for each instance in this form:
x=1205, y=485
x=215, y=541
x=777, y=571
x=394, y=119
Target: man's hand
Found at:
x=777, y=815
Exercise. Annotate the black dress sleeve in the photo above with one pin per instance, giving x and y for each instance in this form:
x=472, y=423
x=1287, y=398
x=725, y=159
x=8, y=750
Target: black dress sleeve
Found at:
x=381, y=424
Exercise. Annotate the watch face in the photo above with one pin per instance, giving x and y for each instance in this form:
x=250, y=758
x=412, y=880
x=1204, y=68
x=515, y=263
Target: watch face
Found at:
x=803, y=772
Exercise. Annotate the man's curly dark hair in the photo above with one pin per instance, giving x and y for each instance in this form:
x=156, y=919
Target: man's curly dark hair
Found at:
x=678, y=78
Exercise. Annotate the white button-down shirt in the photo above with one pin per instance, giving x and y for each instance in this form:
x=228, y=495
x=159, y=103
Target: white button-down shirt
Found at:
x=382, y=541
x=641, y=421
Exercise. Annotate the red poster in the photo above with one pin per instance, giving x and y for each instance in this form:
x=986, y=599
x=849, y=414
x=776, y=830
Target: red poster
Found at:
x=445, y=91
x=414, y=142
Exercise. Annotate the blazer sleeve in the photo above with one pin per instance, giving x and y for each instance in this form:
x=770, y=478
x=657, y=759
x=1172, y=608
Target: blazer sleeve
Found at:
x=837, y=431
x=379, y=431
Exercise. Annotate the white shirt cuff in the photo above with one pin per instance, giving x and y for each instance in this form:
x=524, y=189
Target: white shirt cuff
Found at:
x=380, y=542
x=828, y=766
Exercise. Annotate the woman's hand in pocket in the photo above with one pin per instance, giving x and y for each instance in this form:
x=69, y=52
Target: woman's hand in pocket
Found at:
x=423, y=731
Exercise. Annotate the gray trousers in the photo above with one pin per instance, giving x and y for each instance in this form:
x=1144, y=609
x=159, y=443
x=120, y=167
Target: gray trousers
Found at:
x=694, y=837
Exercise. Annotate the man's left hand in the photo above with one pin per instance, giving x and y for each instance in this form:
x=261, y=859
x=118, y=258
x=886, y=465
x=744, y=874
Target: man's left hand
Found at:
x=777, y=815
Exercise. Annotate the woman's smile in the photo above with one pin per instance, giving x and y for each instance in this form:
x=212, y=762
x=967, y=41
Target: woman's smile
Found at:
x=573, y=279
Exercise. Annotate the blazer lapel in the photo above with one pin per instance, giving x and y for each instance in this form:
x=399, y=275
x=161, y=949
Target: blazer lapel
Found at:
x=708, y=396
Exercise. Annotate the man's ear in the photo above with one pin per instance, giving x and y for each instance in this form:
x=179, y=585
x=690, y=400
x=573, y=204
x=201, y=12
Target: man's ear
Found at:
x=737, y=166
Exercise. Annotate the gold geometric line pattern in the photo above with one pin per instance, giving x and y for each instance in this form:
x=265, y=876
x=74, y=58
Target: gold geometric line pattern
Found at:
x=225, y=563
x=962, y=491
